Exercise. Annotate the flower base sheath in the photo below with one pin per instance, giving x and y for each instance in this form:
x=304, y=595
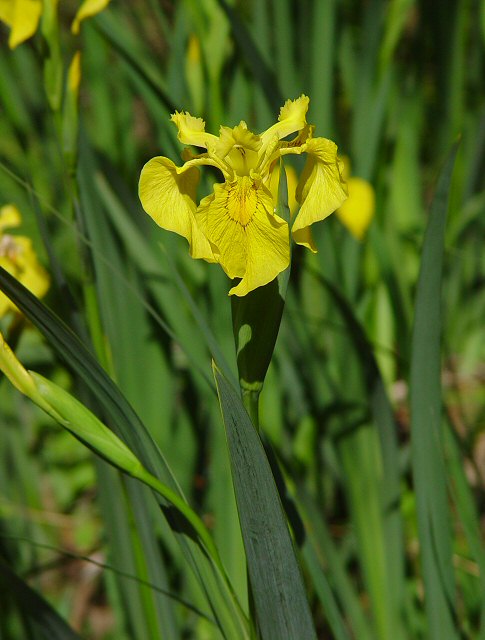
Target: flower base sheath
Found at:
x=236, y=225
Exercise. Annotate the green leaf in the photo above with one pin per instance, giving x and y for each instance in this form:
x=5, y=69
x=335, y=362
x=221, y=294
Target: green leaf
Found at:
x=277, y=586
x=220, y=597
x=428, y=460
x=46, y=622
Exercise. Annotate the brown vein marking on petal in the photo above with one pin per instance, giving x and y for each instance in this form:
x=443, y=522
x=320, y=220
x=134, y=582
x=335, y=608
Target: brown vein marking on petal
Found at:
x=9, y=248
x=242, y=201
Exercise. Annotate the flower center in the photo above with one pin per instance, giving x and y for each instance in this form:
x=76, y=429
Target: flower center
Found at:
x=242, y=200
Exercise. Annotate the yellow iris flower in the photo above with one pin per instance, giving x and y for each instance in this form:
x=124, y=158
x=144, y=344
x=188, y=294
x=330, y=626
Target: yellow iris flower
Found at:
x=17, y=256
x=23, y=16
x=357, y=211
x=236, y=225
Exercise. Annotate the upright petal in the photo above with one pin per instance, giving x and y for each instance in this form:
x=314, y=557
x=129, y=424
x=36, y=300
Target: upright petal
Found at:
x=87, y=9
x=167, y=193
x=321, y=189
x=292, y=118
x=250, y=242
x=191, y=130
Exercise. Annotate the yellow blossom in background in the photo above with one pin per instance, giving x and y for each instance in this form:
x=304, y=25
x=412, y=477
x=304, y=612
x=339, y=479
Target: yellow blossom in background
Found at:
x=23, y=16
x=236, y=225
x=18, y=257
x=88, y=9
x=357, y=211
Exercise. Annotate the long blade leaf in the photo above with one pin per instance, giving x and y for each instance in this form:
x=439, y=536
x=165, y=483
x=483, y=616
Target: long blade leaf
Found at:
x=279, y=595
x=426, y=424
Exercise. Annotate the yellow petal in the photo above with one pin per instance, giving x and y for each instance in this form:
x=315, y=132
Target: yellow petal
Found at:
x=292, y=118
x=22, y=16
x=74, y=74
x=250, y=241
x=346, y=167
x=305, y=238
x=6, y=11
x=239, y=148
x=33, y=275
x=321, y=189
x=192, y=130
x=167, y=193
x=291, y=181
x=9, y=217
x=88, y=9
x=18, y=257
x=193, y=50
x=358, y=210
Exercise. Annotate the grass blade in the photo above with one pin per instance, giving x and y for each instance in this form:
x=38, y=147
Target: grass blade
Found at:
x=426, y=425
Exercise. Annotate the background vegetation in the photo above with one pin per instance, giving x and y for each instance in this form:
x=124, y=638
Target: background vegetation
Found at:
x=386, y=505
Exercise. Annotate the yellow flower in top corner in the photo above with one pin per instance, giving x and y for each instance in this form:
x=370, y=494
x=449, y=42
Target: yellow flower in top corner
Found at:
x=23, y=16
x=18, y=257
x=236, y=225
x=357, y=211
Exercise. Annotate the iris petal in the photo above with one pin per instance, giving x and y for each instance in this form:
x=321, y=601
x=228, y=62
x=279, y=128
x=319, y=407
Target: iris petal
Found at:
x=321, y=189
x=22, y=16
x=249, y=241
x=167, y=193
x=357, y=211
x=9, y=217
x=191, y=130
x=292, y=118
x=18, y=257
x=87, y=9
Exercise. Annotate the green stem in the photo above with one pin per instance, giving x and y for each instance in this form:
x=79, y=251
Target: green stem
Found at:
x=250, y=398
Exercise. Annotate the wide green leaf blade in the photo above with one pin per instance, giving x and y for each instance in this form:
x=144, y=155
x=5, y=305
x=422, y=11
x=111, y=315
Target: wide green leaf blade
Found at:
x=279, y=596
x=428, y=460
x=220, y=597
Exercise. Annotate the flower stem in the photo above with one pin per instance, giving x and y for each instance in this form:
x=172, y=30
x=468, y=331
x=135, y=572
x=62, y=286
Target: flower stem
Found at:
x=250, y=398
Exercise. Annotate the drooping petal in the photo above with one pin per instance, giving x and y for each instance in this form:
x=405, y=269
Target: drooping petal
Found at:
x=250, y=242
x=9, y=217
x=357, y=211
x=305, y=238
x=88, y=9
x=191, y=130
x=321, y=189
x=22, y=16
x=167, y=194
